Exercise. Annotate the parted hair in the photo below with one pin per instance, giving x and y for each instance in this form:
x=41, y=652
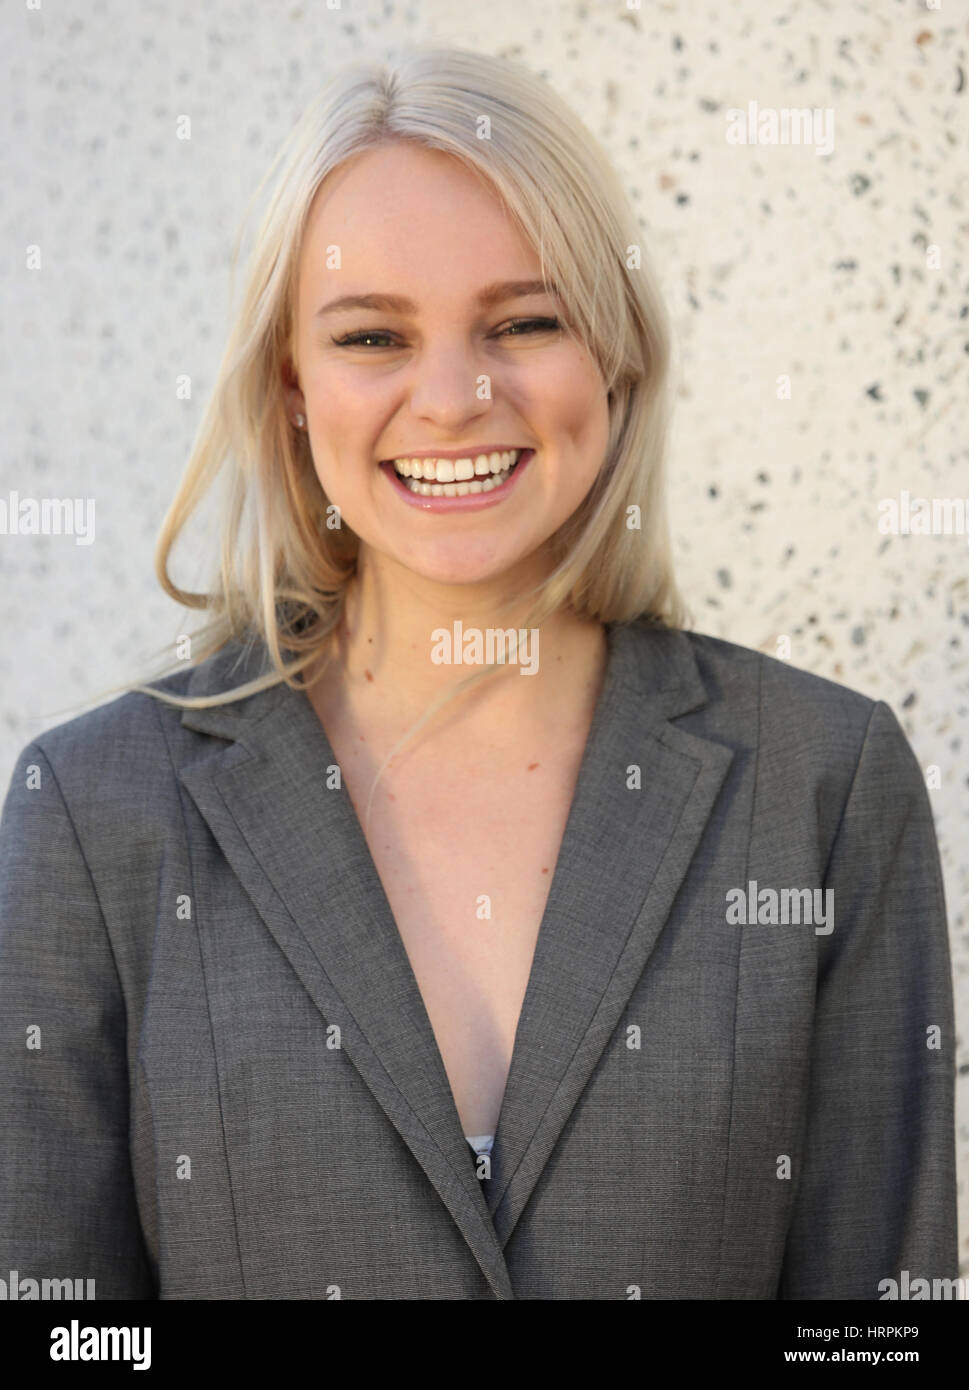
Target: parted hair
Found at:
x=281, y=573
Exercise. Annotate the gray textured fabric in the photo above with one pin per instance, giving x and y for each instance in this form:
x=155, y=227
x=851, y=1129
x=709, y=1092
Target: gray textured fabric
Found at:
x=188, y=913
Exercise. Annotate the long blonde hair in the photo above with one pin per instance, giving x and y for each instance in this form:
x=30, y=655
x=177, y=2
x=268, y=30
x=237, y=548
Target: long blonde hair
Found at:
x=283, y=571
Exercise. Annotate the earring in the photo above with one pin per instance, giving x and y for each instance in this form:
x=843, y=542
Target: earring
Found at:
x=300, y=421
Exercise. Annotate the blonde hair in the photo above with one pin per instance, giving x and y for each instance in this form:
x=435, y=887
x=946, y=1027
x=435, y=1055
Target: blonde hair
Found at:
x=283, y=572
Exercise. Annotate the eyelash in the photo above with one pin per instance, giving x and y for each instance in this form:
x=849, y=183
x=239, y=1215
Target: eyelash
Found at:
x=354, y=339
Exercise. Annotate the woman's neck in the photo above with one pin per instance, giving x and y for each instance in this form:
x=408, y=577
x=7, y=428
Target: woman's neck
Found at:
x=391, y=660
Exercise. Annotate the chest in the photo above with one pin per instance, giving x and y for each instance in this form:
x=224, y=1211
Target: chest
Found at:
x=466, y=849
x=663, y=1066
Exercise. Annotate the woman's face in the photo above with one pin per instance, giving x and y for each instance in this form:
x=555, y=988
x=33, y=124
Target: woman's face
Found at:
x=463, y=363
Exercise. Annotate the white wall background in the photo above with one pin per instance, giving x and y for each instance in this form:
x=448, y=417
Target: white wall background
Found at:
x=775, y=260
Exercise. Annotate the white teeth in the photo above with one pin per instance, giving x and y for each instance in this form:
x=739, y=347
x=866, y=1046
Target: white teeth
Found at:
x=457, y=489
x=462, y=488
x=453, y=471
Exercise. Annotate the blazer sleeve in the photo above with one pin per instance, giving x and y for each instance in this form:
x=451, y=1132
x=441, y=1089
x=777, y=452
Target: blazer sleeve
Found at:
x=67, y=1201
x=876, y=1194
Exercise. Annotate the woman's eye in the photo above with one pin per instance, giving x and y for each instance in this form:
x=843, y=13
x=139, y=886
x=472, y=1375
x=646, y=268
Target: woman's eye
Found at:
x=368, y=337
x=360, y=339
x=531, y=326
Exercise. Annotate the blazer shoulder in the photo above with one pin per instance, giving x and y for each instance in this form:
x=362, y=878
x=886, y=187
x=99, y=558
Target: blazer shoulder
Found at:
x=787, y=696
x=118, y=741
x=817, y=742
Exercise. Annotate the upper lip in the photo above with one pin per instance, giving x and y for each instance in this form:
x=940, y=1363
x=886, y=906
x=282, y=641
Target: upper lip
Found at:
x=470, y=451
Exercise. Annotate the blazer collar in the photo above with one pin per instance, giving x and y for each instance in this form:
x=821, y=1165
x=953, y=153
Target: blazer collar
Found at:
x=658, y=664
x=297, y=848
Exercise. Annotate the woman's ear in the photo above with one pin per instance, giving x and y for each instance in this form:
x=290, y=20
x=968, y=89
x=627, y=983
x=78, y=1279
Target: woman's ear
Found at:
x=295, y=403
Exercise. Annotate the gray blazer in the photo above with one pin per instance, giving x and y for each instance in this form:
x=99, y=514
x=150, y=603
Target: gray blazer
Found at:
x=219, y=1080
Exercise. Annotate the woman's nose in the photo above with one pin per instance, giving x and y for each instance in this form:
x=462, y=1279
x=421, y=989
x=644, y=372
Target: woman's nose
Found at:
x=450, y=384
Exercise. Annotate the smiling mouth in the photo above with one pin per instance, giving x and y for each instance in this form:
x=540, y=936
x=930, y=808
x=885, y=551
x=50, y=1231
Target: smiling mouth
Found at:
x=457, y=477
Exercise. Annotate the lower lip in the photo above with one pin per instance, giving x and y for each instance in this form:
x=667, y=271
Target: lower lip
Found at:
x=471, y=502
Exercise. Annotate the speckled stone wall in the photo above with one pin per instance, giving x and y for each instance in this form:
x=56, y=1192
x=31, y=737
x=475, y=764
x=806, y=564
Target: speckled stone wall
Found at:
x=818, y=293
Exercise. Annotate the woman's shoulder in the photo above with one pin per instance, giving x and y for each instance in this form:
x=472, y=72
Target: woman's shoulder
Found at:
x=732, y=675
x=803, y=726
x=126, y=743
x=121, y=730
x=739, y=670
x=809, y=718
x=109, y=780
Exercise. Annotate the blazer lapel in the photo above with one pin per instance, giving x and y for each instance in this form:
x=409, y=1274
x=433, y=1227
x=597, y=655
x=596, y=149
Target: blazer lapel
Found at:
x=623, y=857
x=298, y=850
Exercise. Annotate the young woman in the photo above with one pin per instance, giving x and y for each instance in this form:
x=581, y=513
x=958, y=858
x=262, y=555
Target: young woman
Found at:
x=456, y=924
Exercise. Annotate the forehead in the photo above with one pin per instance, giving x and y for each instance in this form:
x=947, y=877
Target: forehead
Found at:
x=406, y=218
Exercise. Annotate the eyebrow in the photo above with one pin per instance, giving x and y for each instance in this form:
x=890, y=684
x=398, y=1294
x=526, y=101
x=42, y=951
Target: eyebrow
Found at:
x=491, y=295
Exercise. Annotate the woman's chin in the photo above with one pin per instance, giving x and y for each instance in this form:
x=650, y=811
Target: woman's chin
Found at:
x=457, y=560
x=456, y=571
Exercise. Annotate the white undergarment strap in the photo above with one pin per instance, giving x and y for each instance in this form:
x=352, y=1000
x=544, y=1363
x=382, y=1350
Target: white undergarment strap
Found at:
x=481, y=1143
